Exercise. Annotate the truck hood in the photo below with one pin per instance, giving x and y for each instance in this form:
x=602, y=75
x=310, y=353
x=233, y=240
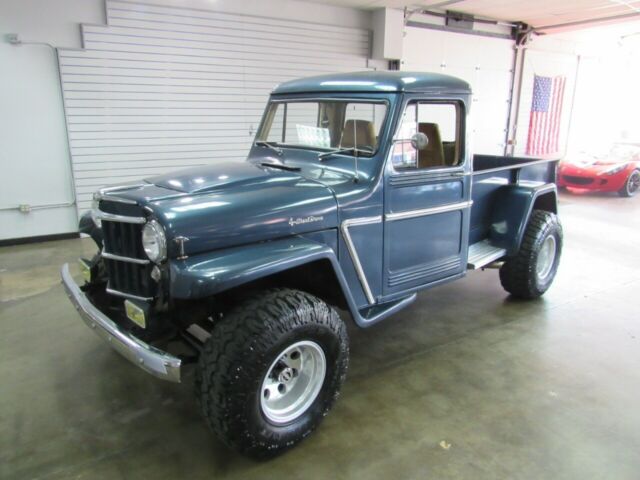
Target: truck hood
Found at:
x=212, y=177
x=233, y=203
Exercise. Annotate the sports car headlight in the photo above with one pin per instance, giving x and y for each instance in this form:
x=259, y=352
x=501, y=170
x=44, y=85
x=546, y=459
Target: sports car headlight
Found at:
x=616, y=169
x=154, y=241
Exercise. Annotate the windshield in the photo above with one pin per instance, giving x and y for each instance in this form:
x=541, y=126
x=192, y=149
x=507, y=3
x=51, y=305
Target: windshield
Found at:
x=324, y=124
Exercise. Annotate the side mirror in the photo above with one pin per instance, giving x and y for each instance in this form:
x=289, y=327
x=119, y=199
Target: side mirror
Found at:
x=419, y=141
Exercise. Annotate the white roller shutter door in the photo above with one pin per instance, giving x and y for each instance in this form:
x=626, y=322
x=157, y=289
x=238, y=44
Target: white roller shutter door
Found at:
x=486, y=63
x=160, y=88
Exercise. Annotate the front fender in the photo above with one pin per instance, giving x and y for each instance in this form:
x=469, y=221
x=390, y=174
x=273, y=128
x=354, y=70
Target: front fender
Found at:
x=512, y=209
x=88, y=226
x=203, y=275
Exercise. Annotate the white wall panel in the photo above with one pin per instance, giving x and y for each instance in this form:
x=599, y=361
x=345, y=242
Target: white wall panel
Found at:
x=485, y=62
x=162, y=87
x=34, y=152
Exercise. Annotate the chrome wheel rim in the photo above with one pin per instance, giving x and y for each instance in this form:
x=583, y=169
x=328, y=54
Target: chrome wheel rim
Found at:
x=293, y=382
x=633, y=184
x=546, y=257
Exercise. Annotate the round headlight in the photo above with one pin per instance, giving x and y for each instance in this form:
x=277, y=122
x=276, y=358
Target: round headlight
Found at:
x=154, y=241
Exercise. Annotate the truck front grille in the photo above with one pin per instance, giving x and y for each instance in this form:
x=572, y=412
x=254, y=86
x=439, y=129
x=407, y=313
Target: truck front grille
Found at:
x=129, y=279
x=123, y=239
x=128, y=268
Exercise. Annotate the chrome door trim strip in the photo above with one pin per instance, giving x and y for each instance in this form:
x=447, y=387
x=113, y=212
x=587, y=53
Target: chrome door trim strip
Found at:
x=344, y=228
x=112, y=256
x=112, y=217
x=451, y=207
x=118, y=293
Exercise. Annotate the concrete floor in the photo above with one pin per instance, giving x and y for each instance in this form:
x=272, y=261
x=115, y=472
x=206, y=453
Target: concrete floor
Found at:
x=466, y=383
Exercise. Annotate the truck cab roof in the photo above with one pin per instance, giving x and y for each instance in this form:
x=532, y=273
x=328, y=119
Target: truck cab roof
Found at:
x=376, y=81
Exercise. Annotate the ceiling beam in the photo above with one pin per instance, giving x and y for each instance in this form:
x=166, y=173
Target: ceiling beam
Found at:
x=444, y=28
x=442, y=3
x=578, y=23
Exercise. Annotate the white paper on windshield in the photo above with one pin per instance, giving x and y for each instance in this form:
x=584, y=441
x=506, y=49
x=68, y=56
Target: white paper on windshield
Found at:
x=313, y=136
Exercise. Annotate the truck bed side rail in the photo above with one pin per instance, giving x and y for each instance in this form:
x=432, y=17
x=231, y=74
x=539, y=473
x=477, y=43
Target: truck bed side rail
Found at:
x=496, y=163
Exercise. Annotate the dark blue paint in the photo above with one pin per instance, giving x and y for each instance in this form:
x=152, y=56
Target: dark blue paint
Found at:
x=512, y=204
x=224, y=174
x=381, y=81
x=424, y=250
x=203, y=275
x=245, y=221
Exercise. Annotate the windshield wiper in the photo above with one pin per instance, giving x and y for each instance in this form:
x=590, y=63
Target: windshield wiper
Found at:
x=350, y=151
x=271, y=145
x=281, y=166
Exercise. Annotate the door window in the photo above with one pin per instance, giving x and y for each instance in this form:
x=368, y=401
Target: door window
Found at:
x=429, y=136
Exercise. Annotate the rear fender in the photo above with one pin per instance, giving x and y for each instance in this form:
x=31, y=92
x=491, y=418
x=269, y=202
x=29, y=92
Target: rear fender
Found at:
x=512, y=209
x=207, y=274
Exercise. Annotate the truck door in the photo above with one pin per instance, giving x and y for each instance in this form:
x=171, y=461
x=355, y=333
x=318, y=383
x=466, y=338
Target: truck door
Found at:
x=427, y=197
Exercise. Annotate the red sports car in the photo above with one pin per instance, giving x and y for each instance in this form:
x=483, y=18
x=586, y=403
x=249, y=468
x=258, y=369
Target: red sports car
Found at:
x=619, y=171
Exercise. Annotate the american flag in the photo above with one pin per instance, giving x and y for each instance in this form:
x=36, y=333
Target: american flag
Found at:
x=546, y=111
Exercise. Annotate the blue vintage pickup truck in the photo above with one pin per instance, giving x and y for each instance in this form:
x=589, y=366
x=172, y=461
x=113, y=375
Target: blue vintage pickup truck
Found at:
x=359, y=190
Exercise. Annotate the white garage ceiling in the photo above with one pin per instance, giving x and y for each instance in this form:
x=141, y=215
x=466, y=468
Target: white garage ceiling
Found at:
x=539, y=13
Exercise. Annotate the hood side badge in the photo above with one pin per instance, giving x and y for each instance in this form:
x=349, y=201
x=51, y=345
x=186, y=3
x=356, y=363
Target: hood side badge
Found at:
x=301, y=221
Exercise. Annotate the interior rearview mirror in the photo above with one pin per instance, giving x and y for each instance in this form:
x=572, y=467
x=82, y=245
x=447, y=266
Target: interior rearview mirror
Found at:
x=419, y=141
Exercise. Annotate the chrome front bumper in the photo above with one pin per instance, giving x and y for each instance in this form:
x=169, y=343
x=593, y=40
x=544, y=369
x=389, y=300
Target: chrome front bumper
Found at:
x=152, y=360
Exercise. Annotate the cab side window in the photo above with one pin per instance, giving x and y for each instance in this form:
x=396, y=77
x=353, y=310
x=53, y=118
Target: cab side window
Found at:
x=428, y=137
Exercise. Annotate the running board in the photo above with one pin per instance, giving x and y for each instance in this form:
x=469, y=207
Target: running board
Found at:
x=375, y=313
x=482, y=254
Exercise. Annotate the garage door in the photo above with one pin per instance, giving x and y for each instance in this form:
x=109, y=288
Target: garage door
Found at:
x=485, y=62
x=162, y=87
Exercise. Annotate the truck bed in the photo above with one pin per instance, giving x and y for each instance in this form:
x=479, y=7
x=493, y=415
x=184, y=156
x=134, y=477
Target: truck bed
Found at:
x=490, y=177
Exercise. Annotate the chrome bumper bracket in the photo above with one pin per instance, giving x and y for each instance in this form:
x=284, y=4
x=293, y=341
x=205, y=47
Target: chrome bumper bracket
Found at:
x=152, y=360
